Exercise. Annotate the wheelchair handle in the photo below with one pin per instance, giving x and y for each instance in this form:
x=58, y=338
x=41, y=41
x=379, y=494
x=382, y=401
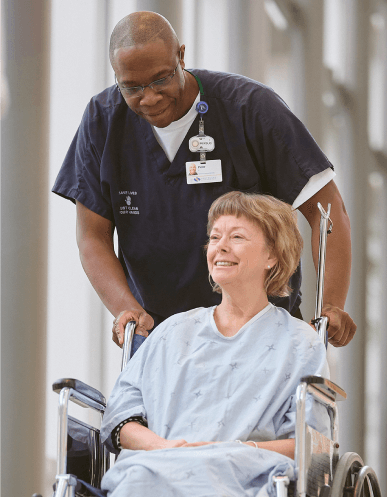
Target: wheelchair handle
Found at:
x=322, y=323
x=128, y=338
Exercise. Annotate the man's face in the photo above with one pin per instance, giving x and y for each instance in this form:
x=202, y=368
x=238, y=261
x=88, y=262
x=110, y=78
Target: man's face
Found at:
x=192, y=169
x=143, y=64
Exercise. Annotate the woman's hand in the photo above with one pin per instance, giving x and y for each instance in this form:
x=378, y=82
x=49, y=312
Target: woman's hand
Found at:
x=200, y=444
x=144, y=324
x=197, y=444
x=155, y=442
x=134, y=436
x=172, y=444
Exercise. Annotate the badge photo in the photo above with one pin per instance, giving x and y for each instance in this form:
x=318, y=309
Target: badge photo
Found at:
x=203, y=172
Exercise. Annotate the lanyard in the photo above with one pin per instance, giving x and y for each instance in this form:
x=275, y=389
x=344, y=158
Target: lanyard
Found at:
x=198, y=82
x=202, y=108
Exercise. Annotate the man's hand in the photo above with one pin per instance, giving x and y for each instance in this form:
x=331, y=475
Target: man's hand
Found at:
x=341, y=328
x=144, y=324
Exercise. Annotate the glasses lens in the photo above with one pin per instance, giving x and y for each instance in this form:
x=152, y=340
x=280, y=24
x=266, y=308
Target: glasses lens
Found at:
x=134, y=90
x=161, y=83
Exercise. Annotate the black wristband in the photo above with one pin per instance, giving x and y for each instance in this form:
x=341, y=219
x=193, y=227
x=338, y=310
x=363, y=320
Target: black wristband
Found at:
x=116, y=432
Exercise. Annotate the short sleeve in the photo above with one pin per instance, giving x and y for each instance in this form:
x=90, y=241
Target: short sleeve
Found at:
x=126, y=398
x=80, y=177
x=287, y=152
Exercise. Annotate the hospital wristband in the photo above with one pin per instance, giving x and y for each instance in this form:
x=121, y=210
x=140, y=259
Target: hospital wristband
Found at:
x=248, y=441
x=117, y=430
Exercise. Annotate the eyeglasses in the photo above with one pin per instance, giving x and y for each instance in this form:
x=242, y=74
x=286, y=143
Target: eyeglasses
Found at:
x=157, y=85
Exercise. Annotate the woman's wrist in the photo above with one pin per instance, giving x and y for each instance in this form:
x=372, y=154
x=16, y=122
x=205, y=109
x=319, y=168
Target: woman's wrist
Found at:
x=250, y=443
x=116, y=433
x=137, y=437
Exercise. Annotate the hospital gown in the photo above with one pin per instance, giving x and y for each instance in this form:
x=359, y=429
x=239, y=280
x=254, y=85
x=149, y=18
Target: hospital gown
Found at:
x=191, y=382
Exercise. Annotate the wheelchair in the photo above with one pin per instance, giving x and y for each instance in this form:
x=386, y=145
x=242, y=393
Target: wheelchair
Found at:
x=83, y=459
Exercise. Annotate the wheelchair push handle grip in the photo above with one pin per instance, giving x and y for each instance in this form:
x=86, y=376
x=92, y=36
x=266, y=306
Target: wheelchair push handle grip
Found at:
x=128, y=339
x=321, y=324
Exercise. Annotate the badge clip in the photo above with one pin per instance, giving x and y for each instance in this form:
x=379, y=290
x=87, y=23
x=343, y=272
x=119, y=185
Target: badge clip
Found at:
x=201, y=143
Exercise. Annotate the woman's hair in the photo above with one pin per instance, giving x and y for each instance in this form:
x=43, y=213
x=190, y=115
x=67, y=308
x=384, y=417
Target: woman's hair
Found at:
x=278, y=222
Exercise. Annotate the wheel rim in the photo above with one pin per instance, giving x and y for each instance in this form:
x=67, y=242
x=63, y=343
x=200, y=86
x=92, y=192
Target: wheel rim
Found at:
x=366, y=480
x=346, y=472
x=353, y=479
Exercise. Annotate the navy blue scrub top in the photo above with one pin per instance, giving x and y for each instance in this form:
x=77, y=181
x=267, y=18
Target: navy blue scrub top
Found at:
x=117, y=169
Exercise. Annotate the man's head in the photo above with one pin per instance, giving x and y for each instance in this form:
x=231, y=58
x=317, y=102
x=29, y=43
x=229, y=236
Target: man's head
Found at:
x=144, y=49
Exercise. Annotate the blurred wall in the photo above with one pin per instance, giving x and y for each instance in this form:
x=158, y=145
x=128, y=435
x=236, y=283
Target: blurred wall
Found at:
x=24, y=195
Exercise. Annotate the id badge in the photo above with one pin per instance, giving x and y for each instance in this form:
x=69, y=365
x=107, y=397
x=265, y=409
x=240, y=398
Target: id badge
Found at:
x=198, y=172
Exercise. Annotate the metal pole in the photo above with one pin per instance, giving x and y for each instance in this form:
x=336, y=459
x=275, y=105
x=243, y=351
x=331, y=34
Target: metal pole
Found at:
x=321, y=323
x=321, y=257
x=62, y=431
x=129, y=332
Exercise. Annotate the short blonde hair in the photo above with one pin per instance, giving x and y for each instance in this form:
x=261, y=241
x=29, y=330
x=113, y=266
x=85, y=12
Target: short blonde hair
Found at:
x=278, y=222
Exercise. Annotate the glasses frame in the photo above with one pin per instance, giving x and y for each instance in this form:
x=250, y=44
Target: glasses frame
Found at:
x=127, y=89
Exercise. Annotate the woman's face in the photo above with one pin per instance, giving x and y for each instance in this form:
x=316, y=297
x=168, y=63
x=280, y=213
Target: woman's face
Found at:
x=237, y=253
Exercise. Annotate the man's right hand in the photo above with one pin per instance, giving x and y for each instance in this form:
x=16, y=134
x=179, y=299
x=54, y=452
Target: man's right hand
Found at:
x=144, y=324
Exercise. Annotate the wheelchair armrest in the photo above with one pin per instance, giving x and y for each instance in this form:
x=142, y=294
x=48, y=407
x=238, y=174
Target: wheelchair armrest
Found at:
x=327, y=387
x=81, y=388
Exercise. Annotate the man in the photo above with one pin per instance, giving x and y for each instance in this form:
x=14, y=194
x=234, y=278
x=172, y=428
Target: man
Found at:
x=126, y=170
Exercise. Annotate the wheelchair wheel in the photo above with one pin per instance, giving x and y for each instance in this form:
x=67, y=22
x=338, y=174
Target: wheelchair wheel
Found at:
x=355, y=479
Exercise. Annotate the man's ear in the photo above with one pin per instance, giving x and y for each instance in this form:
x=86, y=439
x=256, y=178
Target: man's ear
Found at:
x=182, y=53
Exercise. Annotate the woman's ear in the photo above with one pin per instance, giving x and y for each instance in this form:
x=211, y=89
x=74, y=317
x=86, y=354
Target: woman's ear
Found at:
x=272, y=261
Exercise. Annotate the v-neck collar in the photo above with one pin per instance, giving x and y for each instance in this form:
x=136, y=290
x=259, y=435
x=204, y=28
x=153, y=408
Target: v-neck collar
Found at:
x=164, y=166
x=242, y=329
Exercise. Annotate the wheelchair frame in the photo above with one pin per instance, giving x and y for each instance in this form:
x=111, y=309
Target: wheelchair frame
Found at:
x=330, y=477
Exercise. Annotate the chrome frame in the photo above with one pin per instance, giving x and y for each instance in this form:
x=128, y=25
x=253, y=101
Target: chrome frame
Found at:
x=65, y=395
x=321, y=322
x=325, y=393
x=281, y=483
x=63, y=483
x=128, y=338
x=65, y=480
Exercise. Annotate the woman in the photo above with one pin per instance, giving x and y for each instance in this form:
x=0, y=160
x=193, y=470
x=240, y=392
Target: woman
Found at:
x=206, y=406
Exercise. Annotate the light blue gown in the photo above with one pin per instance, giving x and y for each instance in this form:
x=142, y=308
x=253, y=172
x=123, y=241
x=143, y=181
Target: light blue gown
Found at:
x=191, y=382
